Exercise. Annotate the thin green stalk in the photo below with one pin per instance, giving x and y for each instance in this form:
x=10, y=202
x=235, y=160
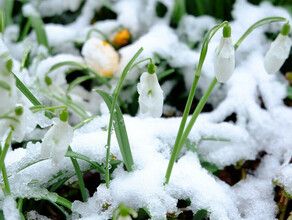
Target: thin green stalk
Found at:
x=60, y=209
x=203, y=54
x=6, y=182
x=25, y=31
x=26, y=92
x=19, y=207
x=8, y=8
x=76, y=108
x=256, y=25
x=200, y=7
x=196, y=113
x=115, y=96
x=97, y=31
x=5, y=148
x=79, y=177
x=2, y=22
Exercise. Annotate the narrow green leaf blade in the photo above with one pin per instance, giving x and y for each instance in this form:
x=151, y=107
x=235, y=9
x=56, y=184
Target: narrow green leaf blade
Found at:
x=38, y=25
x=82, y=157
x=200, y=215
x=289, y=92
x=78, y=81
x=120, y=130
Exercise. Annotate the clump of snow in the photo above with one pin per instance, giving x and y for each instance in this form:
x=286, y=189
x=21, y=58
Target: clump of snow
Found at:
x=284, y=178
x=10, y=210
x=29, y=11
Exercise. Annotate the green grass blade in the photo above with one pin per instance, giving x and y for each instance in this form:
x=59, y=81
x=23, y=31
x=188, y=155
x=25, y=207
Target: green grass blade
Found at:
x=82, y=157
x=25, y=58
x=81, y=66
x=5, y=85
x=289, y=92
x=2, y=21
x=200, y=215
x=120, y=130
x=78, y=81
x=8, y=8
x=38, y=26
x=26, y=92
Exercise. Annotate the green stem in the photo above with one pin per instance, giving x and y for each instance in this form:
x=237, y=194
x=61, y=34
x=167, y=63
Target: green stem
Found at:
x=5, y=149
x=7, y=191
x=256, y=25
x=115, y=96
x=98, y=31
x=79, y=177
x=8, y=8
x=196, y=113
x=203, y=54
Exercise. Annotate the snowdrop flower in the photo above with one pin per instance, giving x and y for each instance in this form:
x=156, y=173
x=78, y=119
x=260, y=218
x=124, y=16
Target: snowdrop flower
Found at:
x=100, y=56
x=150, y=93
x=56, y=141
x=123, y=212
x=224, y=57
x=278, y=52
x=7, y=81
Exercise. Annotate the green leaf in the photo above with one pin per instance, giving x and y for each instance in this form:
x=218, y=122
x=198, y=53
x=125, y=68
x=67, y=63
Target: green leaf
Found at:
x=26, y=92
x=25, y=58
x=5, y=85
x=164, y=74
x=82, y=157
x=78, y=81
x=289, y=92
x=200, y=215
x=212, y=168
x=83, y=67
x=2, y=21
x=120, y=130
x=178, y=11
x=8, y=8
x=38, y=26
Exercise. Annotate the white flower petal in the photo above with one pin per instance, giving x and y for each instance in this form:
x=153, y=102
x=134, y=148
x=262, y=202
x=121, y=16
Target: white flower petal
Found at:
x=277, y=53
x=224, y=61
x=151, y=95
x=100, y=56
x=56, y=141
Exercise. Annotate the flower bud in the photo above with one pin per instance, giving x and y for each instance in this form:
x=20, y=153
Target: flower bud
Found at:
x=278, y=52
x=56, y=141
x=100, y=56
x=150, y=95
x=224, y=61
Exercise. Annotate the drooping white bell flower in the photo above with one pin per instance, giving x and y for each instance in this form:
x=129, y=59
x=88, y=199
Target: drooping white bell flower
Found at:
x=7, y=81
x=56, y=141
x=278, y=52
x=100, y=56
x=224, y=61
x=150, y=95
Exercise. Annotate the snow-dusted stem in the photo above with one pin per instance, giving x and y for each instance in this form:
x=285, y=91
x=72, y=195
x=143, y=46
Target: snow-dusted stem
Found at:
x=115, y=97
x=256, y=25
x=203, y=54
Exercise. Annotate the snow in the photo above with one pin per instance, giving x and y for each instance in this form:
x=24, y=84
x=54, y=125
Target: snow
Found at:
x=257, y=128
